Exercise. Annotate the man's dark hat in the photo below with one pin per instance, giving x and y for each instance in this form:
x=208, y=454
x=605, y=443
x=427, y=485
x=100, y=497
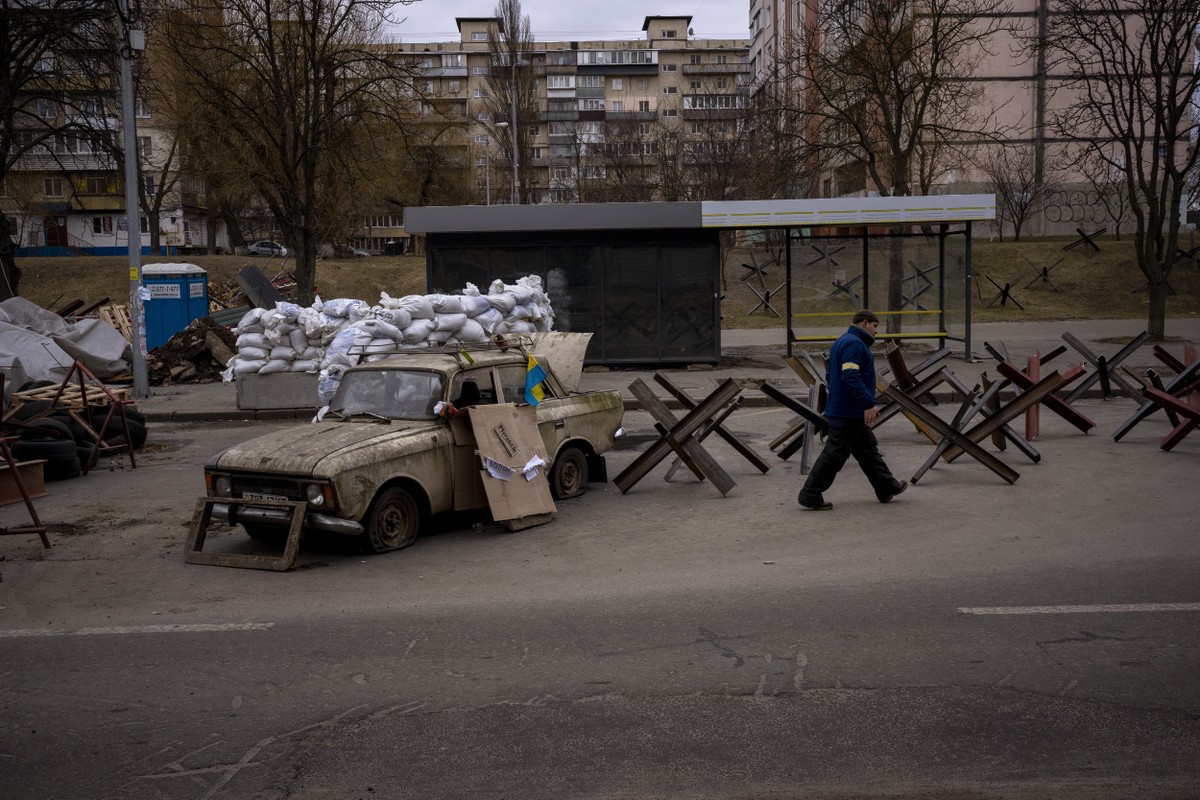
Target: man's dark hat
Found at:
x=866, y=315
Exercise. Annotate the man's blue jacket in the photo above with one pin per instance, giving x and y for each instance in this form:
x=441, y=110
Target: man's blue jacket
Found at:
x=851, y=375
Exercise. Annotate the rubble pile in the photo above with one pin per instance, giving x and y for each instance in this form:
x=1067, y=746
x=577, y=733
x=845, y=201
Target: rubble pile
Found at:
x=331, y=336
x=197, y=354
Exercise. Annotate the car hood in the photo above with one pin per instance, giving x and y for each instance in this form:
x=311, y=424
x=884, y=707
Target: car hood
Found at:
x=300, y=450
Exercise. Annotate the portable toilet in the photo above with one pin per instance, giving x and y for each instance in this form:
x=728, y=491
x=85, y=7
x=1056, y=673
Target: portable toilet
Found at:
x=178, y=295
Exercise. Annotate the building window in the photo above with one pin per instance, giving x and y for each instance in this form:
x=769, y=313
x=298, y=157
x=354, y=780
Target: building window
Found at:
x=480, y=93
x=148, y=185
x=144, y=223
x=481, y=161
x=694, y=84
x=47, y=108
x=617, y=105
x=52, y=187
x=670, y=90
x=92, y=107
x=454, y=59
x=696, y=127
x=670, y=33
x=644, y=129
x=102, y=226
x=695, y=58
x=455, y=86
x=145, y=146
x=670, y=67
x=141, y=107
x=481, y=138
x=533, y=130
x=427, y=87
x=591, y=105
x=722, y=58
x=479, y=36
x=482, y=116
x=479, y=70
x=591, y=81
x=670, y=112
x=643, y=84
x=561, y=81
x=643, y=105
x=618, y=84
x=537, y=152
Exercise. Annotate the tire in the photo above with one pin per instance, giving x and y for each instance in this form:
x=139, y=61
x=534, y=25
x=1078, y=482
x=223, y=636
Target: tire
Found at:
x=47, y=429
x=62, y=469
x=116, y=436
x=31, y=409
x=393, y=521
x=98, y=414
x=569, y=475
x=49, y=449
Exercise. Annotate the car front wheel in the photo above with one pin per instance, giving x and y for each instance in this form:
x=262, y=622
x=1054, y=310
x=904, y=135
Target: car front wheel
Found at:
x=569, y=475
x=393, y=521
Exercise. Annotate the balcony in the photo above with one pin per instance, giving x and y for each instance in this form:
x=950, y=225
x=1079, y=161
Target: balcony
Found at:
x=738, y=68
x=631, y=116
x=559, y=116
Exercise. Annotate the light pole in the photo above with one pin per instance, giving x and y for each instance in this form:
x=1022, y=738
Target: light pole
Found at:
x=516, y=154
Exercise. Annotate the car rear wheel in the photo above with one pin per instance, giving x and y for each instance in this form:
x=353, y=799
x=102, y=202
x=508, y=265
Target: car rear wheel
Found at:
x=393, y=521
x=569, y=475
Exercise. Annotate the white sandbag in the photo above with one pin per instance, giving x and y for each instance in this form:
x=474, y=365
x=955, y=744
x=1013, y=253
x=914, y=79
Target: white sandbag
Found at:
x=327, y=382
x=471, y=331
x=380, y=346
x=252, y=353
x=283, y=352
x=251, y=317
x=449, y=323
x=310, y=353
x=473, y=305
x=284, y=311
x=340, y=307
x=304, y=366
x=275, y=365
x=417, y=305
x=248, y=366
x=298, y=339
x=399, y=317
x=380, y=329
x=501, y=301
x=418, y=331
x=250, y=340
x=348, y=341
x=489, y=320
x=446, y=303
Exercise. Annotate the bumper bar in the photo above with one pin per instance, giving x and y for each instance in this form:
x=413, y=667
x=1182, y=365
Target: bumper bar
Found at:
x=234, y=514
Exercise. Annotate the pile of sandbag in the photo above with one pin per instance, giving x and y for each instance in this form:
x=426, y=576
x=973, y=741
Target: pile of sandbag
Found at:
x=333, y=335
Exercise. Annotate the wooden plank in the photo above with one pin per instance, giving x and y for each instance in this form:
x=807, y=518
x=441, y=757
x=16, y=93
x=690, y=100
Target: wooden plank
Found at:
x=693, y=421
x=941, y=426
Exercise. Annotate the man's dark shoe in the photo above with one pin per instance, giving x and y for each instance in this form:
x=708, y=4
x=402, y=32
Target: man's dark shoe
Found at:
x=899, y=490
x=814, y=503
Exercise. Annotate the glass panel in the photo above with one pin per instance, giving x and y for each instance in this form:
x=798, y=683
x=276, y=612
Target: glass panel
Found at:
x=631, y=302
x=573, y=285
x=688, y=324
x=454, y=267
x=393, y=393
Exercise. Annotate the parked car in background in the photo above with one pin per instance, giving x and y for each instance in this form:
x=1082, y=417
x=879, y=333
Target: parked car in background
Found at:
x=265, y=247
x=358, y=252
x=395, y=447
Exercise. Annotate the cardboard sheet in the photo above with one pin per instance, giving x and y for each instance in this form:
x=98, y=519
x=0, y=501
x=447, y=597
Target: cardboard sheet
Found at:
x=510, y=447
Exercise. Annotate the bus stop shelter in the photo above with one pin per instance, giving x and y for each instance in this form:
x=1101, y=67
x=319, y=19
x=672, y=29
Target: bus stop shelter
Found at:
x=645, y=278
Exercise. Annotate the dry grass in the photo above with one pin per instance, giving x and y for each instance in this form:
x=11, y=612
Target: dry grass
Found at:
x=1093, y=285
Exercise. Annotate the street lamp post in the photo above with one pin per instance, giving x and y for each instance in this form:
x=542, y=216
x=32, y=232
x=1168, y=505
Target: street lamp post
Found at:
x=516, y=154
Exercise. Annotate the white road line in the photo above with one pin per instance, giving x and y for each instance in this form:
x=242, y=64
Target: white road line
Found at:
x=124, y=629
x=1114, y=608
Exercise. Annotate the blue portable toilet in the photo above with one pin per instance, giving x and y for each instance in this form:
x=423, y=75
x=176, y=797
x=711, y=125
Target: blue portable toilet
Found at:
x=178, y=295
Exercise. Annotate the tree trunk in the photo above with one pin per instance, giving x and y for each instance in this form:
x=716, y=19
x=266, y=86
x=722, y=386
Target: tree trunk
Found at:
x=895, y=294
x=10, y=274
x=1156, y=323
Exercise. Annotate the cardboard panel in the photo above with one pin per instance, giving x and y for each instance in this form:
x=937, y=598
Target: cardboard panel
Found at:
x=508, y=436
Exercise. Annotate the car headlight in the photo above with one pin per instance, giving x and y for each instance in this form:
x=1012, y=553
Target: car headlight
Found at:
x=221, y=486
x=315, y=492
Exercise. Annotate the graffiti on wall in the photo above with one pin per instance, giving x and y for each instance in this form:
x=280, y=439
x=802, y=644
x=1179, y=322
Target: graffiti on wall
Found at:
x=1073, y=206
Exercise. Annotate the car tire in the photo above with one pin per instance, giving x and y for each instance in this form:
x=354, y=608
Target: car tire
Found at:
x=48, y=429
x=569, y=475
x=393, y=521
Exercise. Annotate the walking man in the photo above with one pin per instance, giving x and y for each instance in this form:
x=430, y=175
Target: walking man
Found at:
x=850, y=411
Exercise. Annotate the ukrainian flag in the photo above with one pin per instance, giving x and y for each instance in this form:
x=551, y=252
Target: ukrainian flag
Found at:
x=534, y=375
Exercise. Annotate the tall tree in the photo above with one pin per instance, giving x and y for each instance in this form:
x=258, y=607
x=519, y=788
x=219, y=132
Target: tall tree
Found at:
x=1127, y=93
x=1019, y=191
x=46, y=46
x=883, y=82
x=511, y=97
x=293, y=80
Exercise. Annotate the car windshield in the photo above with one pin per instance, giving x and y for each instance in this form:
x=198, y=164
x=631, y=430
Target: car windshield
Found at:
x=391, y=393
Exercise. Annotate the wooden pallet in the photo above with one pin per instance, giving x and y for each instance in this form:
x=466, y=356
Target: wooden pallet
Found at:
x=71, y=396
x=117, y=315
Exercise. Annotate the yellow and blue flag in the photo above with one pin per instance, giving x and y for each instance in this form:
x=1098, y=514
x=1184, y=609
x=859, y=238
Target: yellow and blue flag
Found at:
x=534, y=375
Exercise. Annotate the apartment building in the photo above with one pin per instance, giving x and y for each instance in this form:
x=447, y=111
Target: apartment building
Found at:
x=1020, y=92
x=607, y=120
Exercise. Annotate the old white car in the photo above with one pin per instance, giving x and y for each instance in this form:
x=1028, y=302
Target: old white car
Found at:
x=388, y=452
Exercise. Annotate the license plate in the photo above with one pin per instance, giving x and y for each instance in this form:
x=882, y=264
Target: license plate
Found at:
x=262, y=496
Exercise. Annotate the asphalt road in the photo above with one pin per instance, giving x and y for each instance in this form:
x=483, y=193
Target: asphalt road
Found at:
x=971, y=640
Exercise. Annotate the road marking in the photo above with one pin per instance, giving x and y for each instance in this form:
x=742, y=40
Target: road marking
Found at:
x=124, y=629
x=1115, y=608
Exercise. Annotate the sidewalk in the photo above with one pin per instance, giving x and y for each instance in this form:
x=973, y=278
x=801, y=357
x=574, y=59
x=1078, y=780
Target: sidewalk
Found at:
x=749, y=357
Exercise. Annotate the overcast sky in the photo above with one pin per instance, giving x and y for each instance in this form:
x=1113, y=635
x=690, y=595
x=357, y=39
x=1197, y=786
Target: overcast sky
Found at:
x=556, y=20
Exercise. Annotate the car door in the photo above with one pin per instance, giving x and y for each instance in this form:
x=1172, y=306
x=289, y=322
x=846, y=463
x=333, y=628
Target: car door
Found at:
x=470, y=387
